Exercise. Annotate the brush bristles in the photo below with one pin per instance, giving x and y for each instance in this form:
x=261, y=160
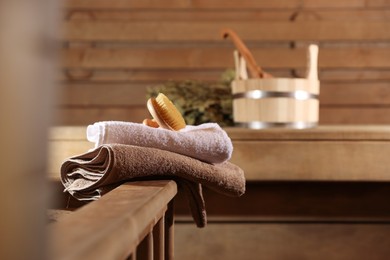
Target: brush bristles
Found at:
x=169, y=113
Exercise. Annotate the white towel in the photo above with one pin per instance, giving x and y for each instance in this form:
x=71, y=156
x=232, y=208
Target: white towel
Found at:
x=207, y=142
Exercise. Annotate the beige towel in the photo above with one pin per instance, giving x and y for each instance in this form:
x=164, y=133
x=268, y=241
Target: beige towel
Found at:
x=89, y=175
x=207, y=142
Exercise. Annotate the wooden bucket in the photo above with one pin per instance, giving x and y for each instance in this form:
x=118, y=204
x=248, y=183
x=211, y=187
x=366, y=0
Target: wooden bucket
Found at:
x=276, y=102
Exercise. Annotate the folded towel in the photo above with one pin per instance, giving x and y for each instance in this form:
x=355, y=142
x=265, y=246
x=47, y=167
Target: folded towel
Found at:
x=207, y=142
x=89, y=175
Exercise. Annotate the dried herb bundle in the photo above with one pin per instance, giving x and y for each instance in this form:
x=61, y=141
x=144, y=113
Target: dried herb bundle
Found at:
x=200, y=102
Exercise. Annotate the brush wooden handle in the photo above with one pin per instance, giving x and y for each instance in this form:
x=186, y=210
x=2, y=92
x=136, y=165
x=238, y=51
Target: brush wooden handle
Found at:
x=254, y=69
x=151, y=123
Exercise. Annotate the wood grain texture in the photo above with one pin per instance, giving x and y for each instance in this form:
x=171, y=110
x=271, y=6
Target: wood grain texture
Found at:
x=220, y=4
x=230, y=15
x=134, y=209
x=88, y=115
x=147, y=42
x=80, y=30
x=220, y=58
x=158, y=76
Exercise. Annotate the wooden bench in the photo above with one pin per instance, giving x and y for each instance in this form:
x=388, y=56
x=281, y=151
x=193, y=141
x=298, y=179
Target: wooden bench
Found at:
x=134, y=221
x=320, y=193
x=315, y=193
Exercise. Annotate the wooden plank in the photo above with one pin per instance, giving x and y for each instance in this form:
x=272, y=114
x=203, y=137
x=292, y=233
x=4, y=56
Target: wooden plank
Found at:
x=313, y=160
x=159, y=239
x=283, y=241
x=353, y=75
x=162, y=75
x=221, y=58
x=154, y=76
x=230, y=15
x=134, y=94
x=123, y=94
x=134, y=209
x=169, y=232
x=145, y=248
x=355, y=94
x=355, y=115
x=166, y=31
x=328, y=115
x=121, y=4
x=237, y=4
x=220, y=4
x=89, y=115
x=174, y=15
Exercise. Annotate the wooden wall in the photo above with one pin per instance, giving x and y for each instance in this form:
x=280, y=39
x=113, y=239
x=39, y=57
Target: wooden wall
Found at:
x=113, y=49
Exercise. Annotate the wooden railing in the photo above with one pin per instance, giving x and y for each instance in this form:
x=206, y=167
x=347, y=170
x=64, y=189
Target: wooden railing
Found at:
x=133, y=221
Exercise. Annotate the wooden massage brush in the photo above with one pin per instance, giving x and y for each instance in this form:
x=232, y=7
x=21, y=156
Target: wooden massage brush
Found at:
x=165, y=114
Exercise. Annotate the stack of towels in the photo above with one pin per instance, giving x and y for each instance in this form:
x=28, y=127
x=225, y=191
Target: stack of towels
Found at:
x=125, y=151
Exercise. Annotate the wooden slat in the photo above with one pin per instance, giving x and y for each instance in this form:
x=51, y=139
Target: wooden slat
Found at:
x=133, y=209
x=230, y=15
x=145, y=248
x=355, y=94
x=355, y=115
x=134, y=94
x=123, y=94
x=121, y=4
x=155, y=76
x=162, y=75
x=169, y=232
x=221, y=4
x=284, y=241
x=287, y=4
x=159, y=239
x=353, y=75
x=210, y=32
x=328, y=115
x=221, y=58
x=90, y=115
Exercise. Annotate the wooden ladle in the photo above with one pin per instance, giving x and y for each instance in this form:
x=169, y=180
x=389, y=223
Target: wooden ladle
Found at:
x=255, y=70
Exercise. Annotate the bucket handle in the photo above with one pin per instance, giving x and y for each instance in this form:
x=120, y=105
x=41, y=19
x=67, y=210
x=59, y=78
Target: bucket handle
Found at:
x=240, y=66
x=312, y=66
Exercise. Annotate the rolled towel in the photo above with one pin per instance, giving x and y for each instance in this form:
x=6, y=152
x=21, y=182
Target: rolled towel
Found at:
x=88, y=176
x=207, y=142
